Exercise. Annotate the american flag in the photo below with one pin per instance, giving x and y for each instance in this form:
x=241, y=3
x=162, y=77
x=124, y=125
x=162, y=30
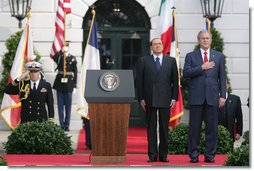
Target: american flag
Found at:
x=63, y=7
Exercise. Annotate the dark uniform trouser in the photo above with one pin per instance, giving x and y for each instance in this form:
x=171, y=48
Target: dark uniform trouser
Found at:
x=210, y=115
x=152, y=132
x=86, y=126
x=64, y=99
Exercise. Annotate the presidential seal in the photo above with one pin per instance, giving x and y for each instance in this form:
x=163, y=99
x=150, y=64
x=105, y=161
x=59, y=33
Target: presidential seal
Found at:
x=109, y=81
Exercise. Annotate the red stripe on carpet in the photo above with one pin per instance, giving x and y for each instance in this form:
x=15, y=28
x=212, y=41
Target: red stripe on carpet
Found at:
x=84, y=160
x=136, y=141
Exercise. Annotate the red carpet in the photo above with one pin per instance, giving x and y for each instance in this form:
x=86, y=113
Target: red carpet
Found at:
x=136, y=141
x=136, y=155
x=83, y=160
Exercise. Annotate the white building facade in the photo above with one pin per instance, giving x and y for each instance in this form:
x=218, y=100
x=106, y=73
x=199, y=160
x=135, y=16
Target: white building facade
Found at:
x=233, y=26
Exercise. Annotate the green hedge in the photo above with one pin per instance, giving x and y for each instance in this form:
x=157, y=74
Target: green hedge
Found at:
x=2, y=161
x=178, y=140
x=38, y=138
x=240, y=155
x=246, y=138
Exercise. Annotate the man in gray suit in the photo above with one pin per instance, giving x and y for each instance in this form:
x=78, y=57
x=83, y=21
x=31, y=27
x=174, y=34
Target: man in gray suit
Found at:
x=157, y=80
x=207, y=91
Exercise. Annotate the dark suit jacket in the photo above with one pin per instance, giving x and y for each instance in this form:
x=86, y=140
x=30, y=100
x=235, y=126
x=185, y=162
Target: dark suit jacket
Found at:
x=232, y=114
x=71, y=67
x=33, y=102
x=157, y=88
x=205, y=85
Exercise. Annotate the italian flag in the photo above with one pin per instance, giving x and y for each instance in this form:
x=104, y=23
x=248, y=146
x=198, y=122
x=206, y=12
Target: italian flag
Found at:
x=166, y=24
x=170, y=41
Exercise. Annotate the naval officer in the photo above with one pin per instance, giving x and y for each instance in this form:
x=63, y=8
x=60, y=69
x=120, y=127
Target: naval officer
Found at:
x=34, y=94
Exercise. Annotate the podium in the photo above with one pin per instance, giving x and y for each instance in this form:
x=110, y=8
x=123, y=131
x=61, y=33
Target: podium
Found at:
x=109, y=94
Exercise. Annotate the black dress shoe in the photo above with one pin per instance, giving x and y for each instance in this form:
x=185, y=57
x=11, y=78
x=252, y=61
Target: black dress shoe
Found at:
x=194, y=160
x=209, y=160
x=67, y=129
x=88, y=147
x=152, y=160
x=163, y=160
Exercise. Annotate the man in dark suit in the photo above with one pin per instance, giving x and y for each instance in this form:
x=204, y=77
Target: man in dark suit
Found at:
x=157, y=80
x=64, y=84
x=34, y=95
x=207, y=91
x=231, y=116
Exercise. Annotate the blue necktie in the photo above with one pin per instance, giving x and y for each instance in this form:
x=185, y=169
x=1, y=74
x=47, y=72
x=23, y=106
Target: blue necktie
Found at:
x=158, y=65
x=34, y=87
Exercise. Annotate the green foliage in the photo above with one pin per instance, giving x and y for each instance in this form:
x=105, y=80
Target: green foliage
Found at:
x=2, y=161
x=178, y=140
x=246, y=138
x=225, y=143
x=38, y=138
x=238, y=157
x=7, y=61
x=218, y=45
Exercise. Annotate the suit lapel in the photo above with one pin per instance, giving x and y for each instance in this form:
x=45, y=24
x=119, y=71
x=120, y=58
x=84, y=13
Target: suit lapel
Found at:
x=163, y=62
x=151, y=60
x=229, y=102
x=212, y=56
x=199, y=57
x=40, y=86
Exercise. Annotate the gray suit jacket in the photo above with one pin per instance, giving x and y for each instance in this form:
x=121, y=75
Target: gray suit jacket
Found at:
x=205, y=85
x=157, y=88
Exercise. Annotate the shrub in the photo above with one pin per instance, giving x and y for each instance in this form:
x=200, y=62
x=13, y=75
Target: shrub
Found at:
x=225, y=143
x=2, y=161
x=178, y=140
x=38, y=138
x=238, y=157
x=246, y=138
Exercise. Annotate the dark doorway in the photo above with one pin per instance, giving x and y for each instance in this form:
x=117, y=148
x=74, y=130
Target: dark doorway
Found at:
x=123, y=36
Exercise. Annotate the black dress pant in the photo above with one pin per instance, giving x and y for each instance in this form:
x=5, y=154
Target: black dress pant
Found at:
x=153, y=150
x=86, y=126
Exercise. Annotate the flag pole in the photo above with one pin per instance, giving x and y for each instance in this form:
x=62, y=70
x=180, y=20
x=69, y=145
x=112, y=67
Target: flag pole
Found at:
x=88, y=38
x=64, y=59
x=83, y=69
x=25, y=59
x=90, y=30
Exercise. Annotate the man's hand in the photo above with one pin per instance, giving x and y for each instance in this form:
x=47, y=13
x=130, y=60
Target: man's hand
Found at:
x=208, y=65
x=222, y=102
x=173, y=102
x=24, y=75
x=143, y=104
x=237, y=136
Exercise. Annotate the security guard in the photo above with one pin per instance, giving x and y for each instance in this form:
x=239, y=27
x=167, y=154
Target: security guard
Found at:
x=34, y=94
x=65, y=82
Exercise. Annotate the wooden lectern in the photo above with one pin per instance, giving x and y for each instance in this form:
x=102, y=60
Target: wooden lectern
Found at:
x=109, y=110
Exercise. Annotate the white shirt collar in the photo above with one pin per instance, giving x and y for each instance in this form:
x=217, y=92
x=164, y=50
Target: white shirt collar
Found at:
x=202, y=51
x=155, y=56
x=32, y=83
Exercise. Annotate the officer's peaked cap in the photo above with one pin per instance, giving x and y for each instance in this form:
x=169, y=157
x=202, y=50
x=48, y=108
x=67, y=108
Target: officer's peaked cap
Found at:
x=33, y=66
